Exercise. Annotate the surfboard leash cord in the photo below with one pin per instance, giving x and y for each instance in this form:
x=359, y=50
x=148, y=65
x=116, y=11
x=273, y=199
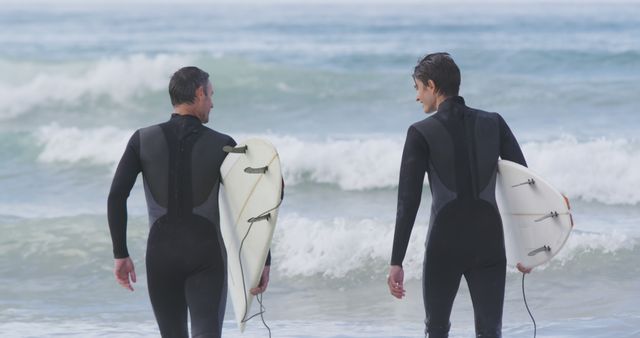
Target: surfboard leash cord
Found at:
x=524, y=296
x=244, y=286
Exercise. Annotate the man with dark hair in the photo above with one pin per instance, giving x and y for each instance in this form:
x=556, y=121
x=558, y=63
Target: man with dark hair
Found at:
x=458, y=147
x=186, y=260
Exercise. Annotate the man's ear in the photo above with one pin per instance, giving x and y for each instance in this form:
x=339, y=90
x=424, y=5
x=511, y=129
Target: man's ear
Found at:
x=431, y=86
x=200, y=91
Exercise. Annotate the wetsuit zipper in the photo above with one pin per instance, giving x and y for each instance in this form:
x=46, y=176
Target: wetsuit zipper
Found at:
x=472, y=153
x=178, y=178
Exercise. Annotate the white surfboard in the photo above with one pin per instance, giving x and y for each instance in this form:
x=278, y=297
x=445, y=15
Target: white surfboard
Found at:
x=536, y=218
x=249, y=199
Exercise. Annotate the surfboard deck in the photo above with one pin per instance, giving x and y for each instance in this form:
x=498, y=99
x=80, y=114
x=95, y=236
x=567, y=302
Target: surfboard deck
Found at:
x=536, y=218
x=251, y=188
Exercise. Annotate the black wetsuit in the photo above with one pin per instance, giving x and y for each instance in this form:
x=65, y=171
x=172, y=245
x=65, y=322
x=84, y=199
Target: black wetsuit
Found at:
x=186, y=260
x=459, y=148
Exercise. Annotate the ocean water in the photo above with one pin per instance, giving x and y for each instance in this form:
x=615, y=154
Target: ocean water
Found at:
x=330, y=85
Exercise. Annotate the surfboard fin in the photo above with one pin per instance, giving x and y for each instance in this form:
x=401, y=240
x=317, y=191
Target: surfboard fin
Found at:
x=259, y=218
x=529, y=181
x=549, y=215
x=544, y=248
x=250, y=170
x=230, y=149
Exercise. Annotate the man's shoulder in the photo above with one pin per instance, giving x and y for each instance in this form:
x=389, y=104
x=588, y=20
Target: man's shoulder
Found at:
x=216, y=134
x=156, y=126
x=426, y=123
x=483, y=113
x=148, y=131
x=430, y=125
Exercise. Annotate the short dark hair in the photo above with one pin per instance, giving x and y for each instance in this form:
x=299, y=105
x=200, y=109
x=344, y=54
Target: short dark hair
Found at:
x=442, y=70
x=185, y=82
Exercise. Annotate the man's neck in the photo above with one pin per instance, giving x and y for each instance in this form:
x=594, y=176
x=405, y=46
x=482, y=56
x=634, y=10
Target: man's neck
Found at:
x=440, y=99
x=184, y=110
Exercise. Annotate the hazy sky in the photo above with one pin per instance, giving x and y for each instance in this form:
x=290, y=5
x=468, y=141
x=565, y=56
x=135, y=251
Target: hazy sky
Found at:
x=186, y=2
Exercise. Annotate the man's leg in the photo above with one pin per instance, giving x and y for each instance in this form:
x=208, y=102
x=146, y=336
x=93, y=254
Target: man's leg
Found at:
x=166, y=291
x=440, y=281
x=206, y=293
x=486, y=286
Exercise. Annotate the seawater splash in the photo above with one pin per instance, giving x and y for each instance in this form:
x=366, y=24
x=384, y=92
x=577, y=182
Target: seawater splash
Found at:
x=343, y=248
x=352, y=164
x=100, y=146
x=333, y=248
x=600, y=169
x=73, y=84
x=591, y=242
x=373, y=162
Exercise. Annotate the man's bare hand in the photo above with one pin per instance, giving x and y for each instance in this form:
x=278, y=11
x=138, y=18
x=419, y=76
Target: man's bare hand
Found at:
x=523, y=269
x=264, y=282
x=124, y=272
x=395, y=281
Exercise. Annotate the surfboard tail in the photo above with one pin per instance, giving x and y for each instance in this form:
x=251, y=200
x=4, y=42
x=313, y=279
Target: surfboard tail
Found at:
x=566, y=201
x=536, y=217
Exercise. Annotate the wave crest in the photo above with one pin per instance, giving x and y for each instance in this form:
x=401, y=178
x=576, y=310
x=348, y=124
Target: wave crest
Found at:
x=601, y=170
x=102, y=146
x=118, y=79
x=339, y=248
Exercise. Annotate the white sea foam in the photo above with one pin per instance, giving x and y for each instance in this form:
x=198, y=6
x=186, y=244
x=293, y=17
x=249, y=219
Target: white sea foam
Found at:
x=601, y=170
x=588, y=242
x=594, y=170
x=118, y=79
x=354, y=164
x=339, y=247
x=73, y=145
x=333, y=248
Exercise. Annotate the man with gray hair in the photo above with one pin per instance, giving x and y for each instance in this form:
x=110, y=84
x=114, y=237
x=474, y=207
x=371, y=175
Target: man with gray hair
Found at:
x=186, y=260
